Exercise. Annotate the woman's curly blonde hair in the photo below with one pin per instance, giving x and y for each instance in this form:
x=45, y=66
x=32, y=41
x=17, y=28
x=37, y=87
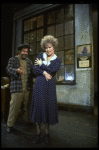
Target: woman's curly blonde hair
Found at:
x=49, y=39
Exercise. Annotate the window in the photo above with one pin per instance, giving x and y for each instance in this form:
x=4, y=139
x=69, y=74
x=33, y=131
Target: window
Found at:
x=58, y=22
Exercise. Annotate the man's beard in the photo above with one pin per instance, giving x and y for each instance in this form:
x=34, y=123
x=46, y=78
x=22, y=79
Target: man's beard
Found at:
x=22, y=56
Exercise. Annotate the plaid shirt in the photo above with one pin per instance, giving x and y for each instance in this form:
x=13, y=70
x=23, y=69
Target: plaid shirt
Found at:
x=16, y=80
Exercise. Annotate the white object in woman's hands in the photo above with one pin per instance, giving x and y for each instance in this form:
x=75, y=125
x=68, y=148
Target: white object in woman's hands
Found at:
x=38, y=61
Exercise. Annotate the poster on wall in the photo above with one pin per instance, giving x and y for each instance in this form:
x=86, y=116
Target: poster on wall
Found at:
x=84, y=56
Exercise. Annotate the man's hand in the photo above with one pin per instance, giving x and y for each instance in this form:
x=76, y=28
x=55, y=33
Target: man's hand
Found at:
x=20, y=71
x=47, y=76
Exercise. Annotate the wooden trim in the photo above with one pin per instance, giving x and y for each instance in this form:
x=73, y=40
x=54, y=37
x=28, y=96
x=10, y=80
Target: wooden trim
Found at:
x=38, y=8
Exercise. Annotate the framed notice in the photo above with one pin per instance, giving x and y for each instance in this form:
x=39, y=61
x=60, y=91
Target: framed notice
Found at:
x=84, y=56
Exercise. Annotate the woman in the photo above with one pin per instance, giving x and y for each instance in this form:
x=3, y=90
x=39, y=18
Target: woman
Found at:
x=44, y=103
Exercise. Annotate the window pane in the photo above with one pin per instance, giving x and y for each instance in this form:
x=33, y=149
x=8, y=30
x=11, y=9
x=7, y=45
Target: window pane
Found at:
x=69, y=41
x=61, y=56
x=28, y=24
x=39, y=49
x=32, y=48
x=33, y=23
x=60, y=15
x=40, y=21
x=59, y=30
x=68, y=11
x=69, y=57
x=69, y=27
x=60, y=74
x=32, y=36
x=26, y=38
x=39, y=34
x=71, y=51
x=51, y=18
x=25, y=26
x=51, y=30
x=32, y=58
x=69, y=72
x=60, y=43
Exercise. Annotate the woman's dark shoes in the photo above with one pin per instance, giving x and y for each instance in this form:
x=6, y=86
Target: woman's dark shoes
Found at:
x=9, y=129
x=47, y=138
x=37, y=139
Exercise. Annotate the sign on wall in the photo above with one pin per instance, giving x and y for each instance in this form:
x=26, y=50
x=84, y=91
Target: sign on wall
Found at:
x=84, y=56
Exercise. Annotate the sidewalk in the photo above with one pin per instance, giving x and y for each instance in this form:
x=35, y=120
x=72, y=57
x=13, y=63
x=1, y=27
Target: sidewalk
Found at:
x=74, y=130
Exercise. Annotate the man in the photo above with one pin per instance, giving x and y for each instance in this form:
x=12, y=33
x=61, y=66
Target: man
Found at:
x=20, y=70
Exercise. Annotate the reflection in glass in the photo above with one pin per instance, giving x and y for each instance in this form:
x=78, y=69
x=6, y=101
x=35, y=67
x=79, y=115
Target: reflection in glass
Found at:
x=59, y=30
x=31, y=49
x=61, y=56
x=69, y=72
x=26, y=38
x=32, y=36
x=60, y=15
x=60, y=74
x=39, y=34
x=34, y=47
x=40, y=21
x=69, y=27
x=69, y=57
x=69, y=41
x=60, y=43
x=33, y=23
x=27, y=25
x=51, y=30
x=51, y=17
x=39, y=49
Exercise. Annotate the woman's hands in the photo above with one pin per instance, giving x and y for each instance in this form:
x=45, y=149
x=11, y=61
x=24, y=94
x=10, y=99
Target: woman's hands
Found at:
x=38, y=61
x=47, y=76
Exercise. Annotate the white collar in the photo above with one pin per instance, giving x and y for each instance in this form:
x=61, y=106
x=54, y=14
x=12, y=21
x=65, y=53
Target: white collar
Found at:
x=45, y=59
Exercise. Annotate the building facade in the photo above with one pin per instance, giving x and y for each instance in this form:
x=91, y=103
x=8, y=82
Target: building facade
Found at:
x=72, y=25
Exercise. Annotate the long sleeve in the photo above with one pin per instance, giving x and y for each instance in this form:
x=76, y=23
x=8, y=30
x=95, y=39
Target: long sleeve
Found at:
x=53, y=67
x=11, y=70
x=36, y=69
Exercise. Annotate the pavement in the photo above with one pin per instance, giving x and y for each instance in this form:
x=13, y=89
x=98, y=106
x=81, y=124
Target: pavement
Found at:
x=74, y=130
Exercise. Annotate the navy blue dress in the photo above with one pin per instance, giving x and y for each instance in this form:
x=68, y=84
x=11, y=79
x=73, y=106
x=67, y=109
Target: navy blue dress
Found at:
x=44, y=107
